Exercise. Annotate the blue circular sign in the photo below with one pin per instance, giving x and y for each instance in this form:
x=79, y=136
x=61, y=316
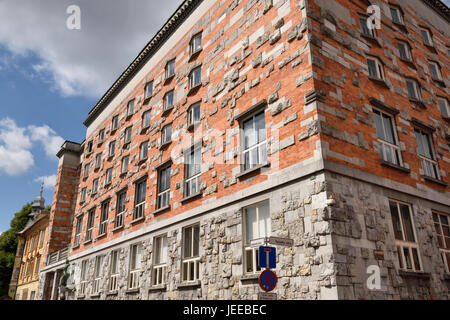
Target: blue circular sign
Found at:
x=267, y=280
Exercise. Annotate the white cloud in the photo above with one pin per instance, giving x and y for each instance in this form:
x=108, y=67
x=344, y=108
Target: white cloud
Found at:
x=49, y=181
x=87, y=61
x=16, y=157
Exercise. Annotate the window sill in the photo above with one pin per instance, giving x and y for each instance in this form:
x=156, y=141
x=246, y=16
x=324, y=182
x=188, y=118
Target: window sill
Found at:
x=122, y=174
x=166, y=111
x=419, y=102
x=107, y=184
x=408, y=62
x=160, y=210
x=165, y=144
x=250, y=277
x=187, y=285
x=100, y=236
x=138, y=220
x=129, y=115
x=87, y=242
x=158, y=287
x=371, y=39
x=169, y=78
x=147, y=99
x=430, y=46
x=379, y=81
x=192, y=126
x=88, y=154
x=252, y=170
x=96, y=169
x=418, y=274
x=395, y=166
x=125, y=144
x=113, y=131
x=400, y=25
x=194, y=89
x=117, y=228
x=141, y=161
x=81, y=296
x=97, y=295
x=442, y=183
x=132, y=290
x=100, y=143
x=112, y=293
x=191, y=197
x=144, y=129
x=195, y=54
x=439, y=81
x=76, y=247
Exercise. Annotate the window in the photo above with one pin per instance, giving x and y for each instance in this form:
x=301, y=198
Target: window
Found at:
x=396, y=15
x=115, y=123
x=196, y=43
x=108, y=176
x=90, y=225
x=146, y=119
x=41, y=242
x=387, y=137
x=114, y=271
x=166, y=134
x=426, y=37
x=143, y=153
x=405, y=237
x=89, y=147
x=95, y=186
x=128, y=135
x=191, y=256
x=104, y=218
x=83, y=194
x=163, y=188
x=365, y=29
x=112, y=148
x=404, y=50
x=375, y=68
x=97, y=274
x=170, y=68
x=86, y=170
x=168, y=100
x=443, y=106
x=148, y=90
x=195, y=77
x=84, y=277
x=78, y=228
x=159, y=260
x=37, y=265
x=101, y=135
x=125, y=161
x=435, y=71
x=98, y=161
x=141, y=188
x=442, y=227
x=192, y=167
x=135, y=266
x=426, y=154
x=413, y=90
x=194, y=114
x=254, y=141
x=257, y=225
x=130, y=108
x=120, y=209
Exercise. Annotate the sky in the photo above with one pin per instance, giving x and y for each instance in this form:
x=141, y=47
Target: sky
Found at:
x=52, y=73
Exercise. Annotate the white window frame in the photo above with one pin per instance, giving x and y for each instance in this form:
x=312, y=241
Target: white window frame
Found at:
x=429, y=40
x=104, y=215
x=83, y=194
x=399, y=15
x=89, y=225
x=159, y=271
x=95, y=186
x=98, y=274
x=114, y=271
x=84, y=277
x=89, y=147
x=163, y=196
x=130, y=107
x=165, y=136
x=168, y=68
x=125, y=164
x=444, y=249
x=115, y=123
x=112, y=148
x=195, y=45
x=139, y=208
x=134, y=271
x=444, y=109
x=407, y=50
x=258, y=146
x=86, y=170
x=394, y=148
x=118, y=221
x=417, y=92
x=143, y=148
x=372, y=33
x=128, y=133
x=248, y=249
x=78, y=229
x=437, y=69
x=146, y=119
x=428, y=163
x=192, y=261
x=101, y=135
x=168, y=106
x=108, y=176
x=98, y=161
x=191, y=113
x=195, y=78
x=193, y=182
x=148, y=85
x=379, y=68
x=404, y=244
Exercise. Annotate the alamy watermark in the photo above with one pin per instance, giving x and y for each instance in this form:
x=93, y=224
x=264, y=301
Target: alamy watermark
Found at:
x=73, y=21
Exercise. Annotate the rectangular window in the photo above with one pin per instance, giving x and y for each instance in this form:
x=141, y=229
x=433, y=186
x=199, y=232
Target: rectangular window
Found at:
x=98, y=161
x=254, y=141
x=168, y=100
x=143, y=153
x=114, y=271
x=369, y=32
x=375, y=68
x=112, y=148
x=148, y=90
x=83, y=194
x=408, y=253
x=257, y=225
x=396, y=15
x=41, y=242
x=120, y=209
x=404, y=51
x=426, y=154
x=166, y=134
x=160, y=254
x=442, y=228
x=78, y=228
x=135, y=266
x=191, y=255
x=90, y=225
x=115, y=123
x=443, y=106
x=125, y=162
x=192, y=167
x=435, y=71
x=196, y=43
x=101, y=135
x=97, y=274
x=141, y=188
x=95, y=186
x=146, y=119
x=170, y=68
x=37, y=265
x=163, y=188
x=387, y=137
x=104, y=217
x=127, y=138
x=194, y=114
x=413, y=90
x=130, y=108
x=195, y=77
x=89, y=147
x=108, y=176
x=426, y=37
x=86, y=170
x=84, y=277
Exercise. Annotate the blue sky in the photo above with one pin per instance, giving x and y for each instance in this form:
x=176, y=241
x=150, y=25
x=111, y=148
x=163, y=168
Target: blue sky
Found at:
x=51, y=77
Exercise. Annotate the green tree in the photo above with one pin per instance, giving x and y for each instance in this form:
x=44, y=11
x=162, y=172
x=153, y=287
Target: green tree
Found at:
x=8, y=247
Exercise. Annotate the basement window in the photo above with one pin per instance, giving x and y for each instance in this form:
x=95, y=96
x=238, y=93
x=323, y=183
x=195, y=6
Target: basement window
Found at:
x=135, y=266
x=160, y=255
x=442, y=228
x=114, y=271
x=191, y=254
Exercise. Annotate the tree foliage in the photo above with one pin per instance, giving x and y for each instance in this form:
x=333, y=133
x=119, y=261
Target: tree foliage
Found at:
x=8, y=247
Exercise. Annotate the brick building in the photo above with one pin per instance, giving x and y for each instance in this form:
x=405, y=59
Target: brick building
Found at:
x=243, y=119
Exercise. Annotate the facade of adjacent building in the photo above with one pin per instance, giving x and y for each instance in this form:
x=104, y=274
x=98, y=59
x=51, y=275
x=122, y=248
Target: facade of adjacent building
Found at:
x=244, y=119
x=30, y=249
